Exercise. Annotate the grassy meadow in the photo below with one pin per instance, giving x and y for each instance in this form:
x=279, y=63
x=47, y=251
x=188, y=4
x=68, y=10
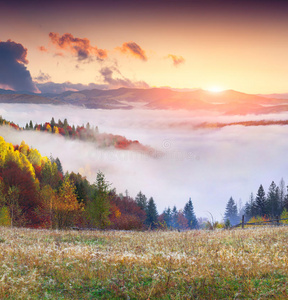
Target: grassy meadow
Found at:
x=224, y=264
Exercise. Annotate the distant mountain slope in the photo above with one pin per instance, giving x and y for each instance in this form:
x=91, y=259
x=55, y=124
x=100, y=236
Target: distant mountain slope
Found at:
x=226, y=102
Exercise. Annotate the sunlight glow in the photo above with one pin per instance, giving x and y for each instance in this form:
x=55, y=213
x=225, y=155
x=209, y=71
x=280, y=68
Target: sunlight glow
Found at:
x=215, y=89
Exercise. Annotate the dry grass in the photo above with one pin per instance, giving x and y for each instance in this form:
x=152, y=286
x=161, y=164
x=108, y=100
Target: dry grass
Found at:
x=236, y=264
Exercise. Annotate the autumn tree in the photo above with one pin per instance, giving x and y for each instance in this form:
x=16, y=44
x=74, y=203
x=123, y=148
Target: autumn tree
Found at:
x=65, y=207
x=12, y=200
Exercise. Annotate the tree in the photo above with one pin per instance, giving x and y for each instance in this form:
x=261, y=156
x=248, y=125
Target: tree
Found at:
x=282, y=194
x=260, y=202
x=231, y=212
x=190, y=215
x=152, y=214
x=12, y=199
x=141, y=201
x=174, y=217
x=65, y=207
x=167, y=217
x=273, y=206
x=98, y=207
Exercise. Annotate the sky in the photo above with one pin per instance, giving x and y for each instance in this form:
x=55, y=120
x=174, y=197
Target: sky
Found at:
x=53, y=46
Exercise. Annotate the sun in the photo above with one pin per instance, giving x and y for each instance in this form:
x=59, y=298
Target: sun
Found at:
x=215, y=89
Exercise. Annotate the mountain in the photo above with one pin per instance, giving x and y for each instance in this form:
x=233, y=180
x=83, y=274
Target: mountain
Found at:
x=226, y=102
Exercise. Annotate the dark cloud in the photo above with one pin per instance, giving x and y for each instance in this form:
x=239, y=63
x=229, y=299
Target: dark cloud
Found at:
x=177, y=60
x=133, y=49
x=13, y=72
x=80, y=47
x=42, y=77
x=107, y=76
x=58, y=88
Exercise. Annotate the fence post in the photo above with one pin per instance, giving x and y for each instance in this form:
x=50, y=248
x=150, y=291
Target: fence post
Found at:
x=242, y=221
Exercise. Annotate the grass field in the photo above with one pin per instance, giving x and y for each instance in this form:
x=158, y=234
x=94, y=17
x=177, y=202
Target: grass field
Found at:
x=235, y=264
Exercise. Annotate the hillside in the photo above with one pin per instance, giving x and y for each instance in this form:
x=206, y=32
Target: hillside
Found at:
x=226, y=102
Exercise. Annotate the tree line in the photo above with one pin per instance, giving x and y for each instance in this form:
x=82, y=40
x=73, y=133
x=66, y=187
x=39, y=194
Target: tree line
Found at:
x=263, y=205
x=35, y=193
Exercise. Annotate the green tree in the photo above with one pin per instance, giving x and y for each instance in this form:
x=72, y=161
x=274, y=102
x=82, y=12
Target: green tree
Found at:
x=231, y=212
x=151, y=214
x=167, y=214
x=141, y=201
x=174, y=217
x=98, y=207
x=273, y=206
x=260, y=202
x=190, y=215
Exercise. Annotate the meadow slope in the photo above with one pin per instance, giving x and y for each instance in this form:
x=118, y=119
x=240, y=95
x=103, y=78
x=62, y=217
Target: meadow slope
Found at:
x=235, y=264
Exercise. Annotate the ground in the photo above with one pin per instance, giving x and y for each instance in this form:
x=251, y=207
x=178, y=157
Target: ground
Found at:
x=224, y=264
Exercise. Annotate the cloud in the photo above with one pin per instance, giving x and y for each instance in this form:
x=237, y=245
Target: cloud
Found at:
x=208, y=165
x=133, y=49
x=58, y=88
x=42, y=77
x=80, y=47
x=13, y=72
x=177, y=60
x=107, y=76
x=42, y=49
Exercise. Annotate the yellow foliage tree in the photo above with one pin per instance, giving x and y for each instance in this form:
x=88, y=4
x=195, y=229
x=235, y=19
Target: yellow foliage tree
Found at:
x=66, y=207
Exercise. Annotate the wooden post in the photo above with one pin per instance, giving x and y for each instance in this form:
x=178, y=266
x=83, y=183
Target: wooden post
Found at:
x=277, y=220
x=242, y=221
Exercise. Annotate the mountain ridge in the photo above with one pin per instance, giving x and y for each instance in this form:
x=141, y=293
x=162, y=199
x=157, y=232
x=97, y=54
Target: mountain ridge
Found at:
x=226, y=102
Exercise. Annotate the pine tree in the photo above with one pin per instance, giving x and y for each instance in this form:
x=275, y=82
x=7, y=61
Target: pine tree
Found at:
x=151, y=214
x=282, y=194
x=52, y=122
x=273, y=200
x=231, y=212
x=141, y=201
x=190, y=215
x=168, y=217
x=30, y=125
x=260, y=202
x=98, y=207
x=174, y=217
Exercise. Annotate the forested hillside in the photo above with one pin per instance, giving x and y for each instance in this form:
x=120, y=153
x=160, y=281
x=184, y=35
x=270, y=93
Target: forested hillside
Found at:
x=35, y=193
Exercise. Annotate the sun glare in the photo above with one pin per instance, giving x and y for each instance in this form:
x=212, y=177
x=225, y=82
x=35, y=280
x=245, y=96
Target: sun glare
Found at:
x=214, y=89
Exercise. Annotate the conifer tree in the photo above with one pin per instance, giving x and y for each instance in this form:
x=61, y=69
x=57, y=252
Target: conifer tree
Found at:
x=98, y=207
x=231, y=212
x=151, y=214
x=168, y=217
x=175, y=217
x=273, y=206
x=260, y=202
x=141, y=201
x=190, y=215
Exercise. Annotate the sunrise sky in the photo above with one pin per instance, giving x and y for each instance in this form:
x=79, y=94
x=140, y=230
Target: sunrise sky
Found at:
x=181, y=44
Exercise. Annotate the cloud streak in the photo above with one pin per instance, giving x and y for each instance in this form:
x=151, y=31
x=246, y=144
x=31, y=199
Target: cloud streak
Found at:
x=80, y=47
x=177, y=60
x=42, y=77
x=13, y=72
x=133, y=49
x=107, y=76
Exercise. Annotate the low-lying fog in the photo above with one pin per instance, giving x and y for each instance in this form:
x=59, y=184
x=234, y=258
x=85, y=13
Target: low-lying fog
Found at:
x=208, y=165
